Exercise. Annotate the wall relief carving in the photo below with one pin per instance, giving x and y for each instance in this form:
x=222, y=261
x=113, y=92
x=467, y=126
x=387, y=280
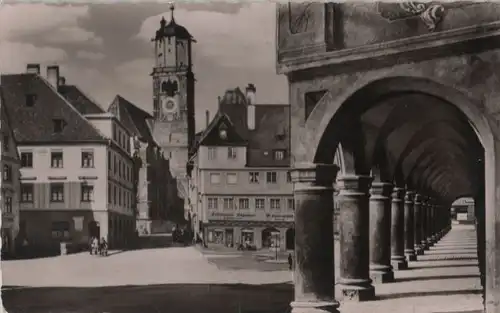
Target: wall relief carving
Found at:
x=299, y=16
x=431, y=13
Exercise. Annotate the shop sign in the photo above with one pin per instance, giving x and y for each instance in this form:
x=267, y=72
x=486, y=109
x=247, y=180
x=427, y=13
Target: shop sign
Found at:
x=231, y=216
x=280, y=217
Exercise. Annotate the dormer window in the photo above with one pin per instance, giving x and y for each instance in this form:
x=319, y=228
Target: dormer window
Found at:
x=279, y=155
x=30, y=100
x=59, y=125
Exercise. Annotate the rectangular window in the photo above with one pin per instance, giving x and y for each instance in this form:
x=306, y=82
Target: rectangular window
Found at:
x=231, y=178
x=213, y=204
x=30, y=100
x=27, y=193
x=60, y=230
x=115, y=195
x=288, y=177
x=56, y=159
x=87, y=159
x=291, y=205
x=275, y=204
x=110, y=193
x=228, y=204
x=260, y=204
x=215, y=178
x=6, y=142
x=58, y=124
x=212, y=153
x=109, y=161
x=8, y=204
x=231, y=153
x=27, y=159
x=7, y=173
x=279, y=155
x=56, y=192
x=87, y=193
x=119, y=196
x=114, y=132
x=244, y=204
x=271, y=177
x=254, y=177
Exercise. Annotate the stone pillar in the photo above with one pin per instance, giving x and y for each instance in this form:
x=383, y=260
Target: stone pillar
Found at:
x=314, y=276
x=431, y=238
x=380, y=233
x=409, y=217
x=417, y=215
x=354, y=238
x=398, y=259
x=423, y=229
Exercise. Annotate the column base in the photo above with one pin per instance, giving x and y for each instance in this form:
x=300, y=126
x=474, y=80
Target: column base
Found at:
x=315, y=307
x=410, y=255
x=399, y=263
x=419, y=251
x=357, y=294
x=424, y=245
x=431, y=241
x=379, y=277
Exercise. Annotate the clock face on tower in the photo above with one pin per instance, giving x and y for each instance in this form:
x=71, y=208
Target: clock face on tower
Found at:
x=168, y=105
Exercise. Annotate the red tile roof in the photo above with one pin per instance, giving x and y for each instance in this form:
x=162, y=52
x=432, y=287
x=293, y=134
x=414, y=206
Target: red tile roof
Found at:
x=35, y=124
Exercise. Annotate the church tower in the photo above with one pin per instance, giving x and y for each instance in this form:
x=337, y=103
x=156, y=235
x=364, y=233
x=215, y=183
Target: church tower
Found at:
x=173, y=95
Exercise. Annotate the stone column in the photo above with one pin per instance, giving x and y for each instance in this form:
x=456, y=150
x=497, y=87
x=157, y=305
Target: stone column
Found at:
x=398, y=259
x=314, y=276
x=409, y=227
x=417, y=204
x=354, y=238
x=423, y=229
x=431, y=238
x=380, y=233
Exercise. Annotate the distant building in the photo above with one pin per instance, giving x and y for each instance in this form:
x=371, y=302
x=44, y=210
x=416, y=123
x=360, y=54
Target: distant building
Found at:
x=240, y=187
x=158, y=204
x=77, y=169
x=173, y=99
x=10, y=183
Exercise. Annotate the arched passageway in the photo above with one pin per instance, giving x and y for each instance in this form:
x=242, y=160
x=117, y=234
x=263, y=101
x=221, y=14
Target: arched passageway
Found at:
x=410, y=148
x=270, y=237
x=290, y=239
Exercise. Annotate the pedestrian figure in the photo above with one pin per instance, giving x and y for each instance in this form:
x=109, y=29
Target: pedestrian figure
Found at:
x=290, y=261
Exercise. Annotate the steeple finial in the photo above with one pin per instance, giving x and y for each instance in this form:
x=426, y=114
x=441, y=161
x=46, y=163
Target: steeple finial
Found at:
x=163, y=22
x=172, y=8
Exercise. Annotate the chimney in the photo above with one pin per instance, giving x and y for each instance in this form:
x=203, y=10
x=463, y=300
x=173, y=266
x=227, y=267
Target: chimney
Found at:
x=53, y=75
x=250, y=95
x=218, y=102
x=207, y=116
x=33, y=68
x=62, y=81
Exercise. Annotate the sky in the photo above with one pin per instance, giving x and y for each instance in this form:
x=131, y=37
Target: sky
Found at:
x=106, y=49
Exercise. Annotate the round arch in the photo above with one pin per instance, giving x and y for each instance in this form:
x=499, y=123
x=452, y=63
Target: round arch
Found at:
x=325, y=124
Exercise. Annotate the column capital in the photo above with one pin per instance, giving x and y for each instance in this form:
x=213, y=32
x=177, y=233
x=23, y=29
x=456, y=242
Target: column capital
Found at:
x=381, y=189
x=418, y=198
x=311, y=175
x=354, y=184
x=398, y=194
x=409, y=195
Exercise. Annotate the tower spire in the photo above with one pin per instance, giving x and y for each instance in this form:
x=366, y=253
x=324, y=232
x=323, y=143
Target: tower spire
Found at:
x=172, y=8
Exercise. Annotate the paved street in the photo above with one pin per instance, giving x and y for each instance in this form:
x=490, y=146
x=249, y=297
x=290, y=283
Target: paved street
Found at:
x=185, y=280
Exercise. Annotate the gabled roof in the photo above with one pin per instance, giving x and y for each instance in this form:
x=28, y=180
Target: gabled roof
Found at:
x=132, y=117
x=6, y=119
x=79, y=100
x=35, y=124
x=211, y=135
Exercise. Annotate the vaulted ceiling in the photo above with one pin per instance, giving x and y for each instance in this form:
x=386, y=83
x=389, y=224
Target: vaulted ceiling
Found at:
x=420, y=141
